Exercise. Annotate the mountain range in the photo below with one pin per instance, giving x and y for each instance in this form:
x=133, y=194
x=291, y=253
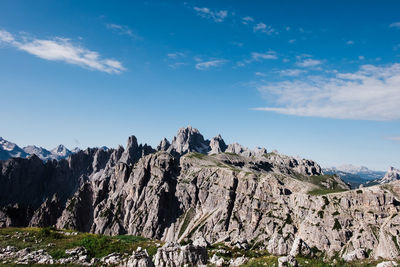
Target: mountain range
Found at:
x=9, y=150
x=193, y=187
x=355, y=175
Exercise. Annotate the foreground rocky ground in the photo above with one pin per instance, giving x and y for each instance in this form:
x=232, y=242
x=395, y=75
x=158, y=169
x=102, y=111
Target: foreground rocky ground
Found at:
x=192, y=188
x=46, y=246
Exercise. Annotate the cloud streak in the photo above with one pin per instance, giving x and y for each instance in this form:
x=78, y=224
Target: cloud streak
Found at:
x=309, y=62
x=210, y=64
x=260, y=56
x=261, y=27
x=371, y=93
x=61, y=49
x=395, y=25
x=216, y=16
x=122, y=29
x=393, y=138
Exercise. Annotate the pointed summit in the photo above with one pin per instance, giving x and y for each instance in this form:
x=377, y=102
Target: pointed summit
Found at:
x=134, y=152
x=164, y=145
x=217, y=145
x=391, y=175
x=188, y=140
x=60, y=152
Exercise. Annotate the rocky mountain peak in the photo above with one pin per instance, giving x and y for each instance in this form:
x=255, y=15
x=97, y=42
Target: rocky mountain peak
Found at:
x=188, y=139
x=164, y=145
x=217, y=145
x=133, y=152
x=391, y=175
x=61, y=150
x=9, y=149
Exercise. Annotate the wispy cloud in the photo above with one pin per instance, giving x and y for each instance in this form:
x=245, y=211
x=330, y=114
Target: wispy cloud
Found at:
x=261, y=27
x=247, y=20
x=175, y=55
x=393, y=138
x=256, y=56
x=209, y=64
x=123, y=30
x=309, y=62
x=260, y=56
x=371, y=93
x=61, y=49
x=261, y=74
x=350, y=42
x=395, y=25
x=177, y=65
x=217, y=16
x=291, y=72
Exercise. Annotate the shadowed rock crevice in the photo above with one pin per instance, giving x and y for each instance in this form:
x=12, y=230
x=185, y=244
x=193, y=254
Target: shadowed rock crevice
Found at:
x=231, y=202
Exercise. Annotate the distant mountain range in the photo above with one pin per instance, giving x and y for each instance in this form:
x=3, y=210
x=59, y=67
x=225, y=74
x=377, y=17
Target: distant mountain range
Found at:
x=11, y=150
x=355, y=175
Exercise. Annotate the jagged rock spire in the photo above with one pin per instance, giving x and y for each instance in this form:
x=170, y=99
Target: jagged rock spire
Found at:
x=134, y=152
x=217, y=145
x=188, y=140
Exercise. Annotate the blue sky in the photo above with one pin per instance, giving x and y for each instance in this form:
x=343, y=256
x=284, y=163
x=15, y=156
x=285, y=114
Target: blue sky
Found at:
x=318, y=79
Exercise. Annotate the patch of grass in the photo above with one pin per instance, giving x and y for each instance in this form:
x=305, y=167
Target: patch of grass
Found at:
x=196, y=155
x=394, y=239
x=97, y=245
x=324, y=191
x=188, y=217
x=231, y=154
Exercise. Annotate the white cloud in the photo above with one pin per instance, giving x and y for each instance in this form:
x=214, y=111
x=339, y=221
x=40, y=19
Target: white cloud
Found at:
x=361, y=57
x=260, y=74
x=217, y=16
x=350, y=42
x=247, y=20
x=122, y=29
x=177, y=65
x=395, y=25
x=255, y=56
x=259, y=56
x=291, y=72
x=309, y=62
x=292, y=41
x=371, y=93
x=261, y=27
x=393, y=138
x=209, y=64
x=61, y=49
x=175, y=55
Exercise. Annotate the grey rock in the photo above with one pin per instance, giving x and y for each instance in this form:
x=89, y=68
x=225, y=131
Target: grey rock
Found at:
x=287, y=261
x=172, y=254
x=238, y=261
x=387, y=264
x=391, y=175
x=358, y=254
x=217, y=261
x=217, y=145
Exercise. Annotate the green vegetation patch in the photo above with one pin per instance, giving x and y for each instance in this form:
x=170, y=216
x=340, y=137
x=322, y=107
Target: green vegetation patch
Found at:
x=324, y=191
x=196, y=155
x=189, y=215
x=96, y=245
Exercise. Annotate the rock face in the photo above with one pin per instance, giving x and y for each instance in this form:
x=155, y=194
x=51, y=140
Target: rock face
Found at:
x=194, y=188
x=171, y=254
x=391, y=175
x=9, y=149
